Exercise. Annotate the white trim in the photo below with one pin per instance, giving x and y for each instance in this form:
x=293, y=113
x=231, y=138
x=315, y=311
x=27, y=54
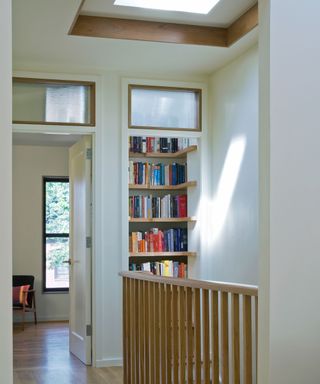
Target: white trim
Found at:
x=96, y=132
x=115, y=362
x=52, y=129
x=126, y=132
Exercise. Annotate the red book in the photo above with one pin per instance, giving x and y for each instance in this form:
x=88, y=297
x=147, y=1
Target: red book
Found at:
x=182, y=270
x=182, y=206
x=180, y=273
x=161, y=241
x=151, y=242
x=155, y=242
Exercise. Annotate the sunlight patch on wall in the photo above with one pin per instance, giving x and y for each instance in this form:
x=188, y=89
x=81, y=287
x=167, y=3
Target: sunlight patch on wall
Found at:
x=215, y=210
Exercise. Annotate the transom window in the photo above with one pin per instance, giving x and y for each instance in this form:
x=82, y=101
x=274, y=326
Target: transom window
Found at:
x=44, y=101
x=56, y=214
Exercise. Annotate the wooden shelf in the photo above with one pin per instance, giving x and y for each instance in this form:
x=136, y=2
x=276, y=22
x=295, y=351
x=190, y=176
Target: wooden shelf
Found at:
x=174, y=155
x=162, y=220
x=188, y=184
x=164, y=254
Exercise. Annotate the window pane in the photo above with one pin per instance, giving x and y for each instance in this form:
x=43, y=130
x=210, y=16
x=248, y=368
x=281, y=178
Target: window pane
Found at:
x=57, y=272
x=177, y=109
x=67, y=103
x=57, y=207
x=51, y=103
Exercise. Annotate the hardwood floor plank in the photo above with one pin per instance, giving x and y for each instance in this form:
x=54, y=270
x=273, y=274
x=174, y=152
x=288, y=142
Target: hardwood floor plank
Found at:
x=41, y=356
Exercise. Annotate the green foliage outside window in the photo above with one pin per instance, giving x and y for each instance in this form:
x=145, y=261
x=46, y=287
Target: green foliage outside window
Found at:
x=57, y=222
x=57, y=252
x=57, y=207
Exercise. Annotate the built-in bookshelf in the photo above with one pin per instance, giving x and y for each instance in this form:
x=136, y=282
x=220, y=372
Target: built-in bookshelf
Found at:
x=158, y=211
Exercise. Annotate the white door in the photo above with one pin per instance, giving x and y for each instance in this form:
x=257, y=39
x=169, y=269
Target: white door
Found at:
x=80, y=249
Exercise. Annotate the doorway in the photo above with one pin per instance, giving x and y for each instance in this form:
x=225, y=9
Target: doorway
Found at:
x=38, y=160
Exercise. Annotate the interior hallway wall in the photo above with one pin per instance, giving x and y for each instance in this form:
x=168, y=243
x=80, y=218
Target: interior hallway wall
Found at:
x=290, y=178
x=5, y=192
x=231, y=224
x=30, y=163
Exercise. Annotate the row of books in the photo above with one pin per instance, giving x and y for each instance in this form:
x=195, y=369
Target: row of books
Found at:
x=167, y=268
x=157, y=174
x=143, y=144
x=168, y=206
x=157, y=240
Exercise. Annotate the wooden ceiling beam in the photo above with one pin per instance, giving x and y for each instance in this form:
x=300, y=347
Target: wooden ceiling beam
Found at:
x=243, y=25
x=114, y=28
x=128, y=29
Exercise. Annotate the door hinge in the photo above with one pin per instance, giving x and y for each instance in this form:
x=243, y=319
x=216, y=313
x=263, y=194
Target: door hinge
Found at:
x=89, y=154
x=88, y=242
x=88, y=330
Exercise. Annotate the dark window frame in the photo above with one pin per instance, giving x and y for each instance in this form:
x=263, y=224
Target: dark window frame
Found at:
x=46, y=179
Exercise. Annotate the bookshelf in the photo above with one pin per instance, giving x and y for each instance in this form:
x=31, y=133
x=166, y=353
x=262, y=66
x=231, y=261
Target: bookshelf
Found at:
x=185, y=185
x=175, y=155
x=162, y=220
x=159, y=217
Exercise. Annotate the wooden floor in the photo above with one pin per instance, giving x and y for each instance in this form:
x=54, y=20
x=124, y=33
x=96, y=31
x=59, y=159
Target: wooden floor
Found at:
x=41, y=355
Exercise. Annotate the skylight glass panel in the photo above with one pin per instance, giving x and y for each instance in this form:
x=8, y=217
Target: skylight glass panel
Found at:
x=191, y=6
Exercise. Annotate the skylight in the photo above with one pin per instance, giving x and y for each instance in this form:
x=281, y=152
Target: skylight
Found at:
x=192, y=6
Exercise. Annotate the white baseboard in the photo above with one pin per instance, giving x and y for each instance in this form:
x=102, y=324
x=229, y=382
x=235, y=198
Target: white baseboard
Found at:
x=109, y=363
x=53, y=318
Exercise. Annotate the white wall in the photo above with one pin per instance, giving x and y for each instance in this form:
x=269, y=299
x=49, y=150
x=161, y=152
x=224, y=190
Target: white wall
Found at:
x=30, y=163
x=108, y=264
x=230, y=231
x=5, y=194
x=294, y=185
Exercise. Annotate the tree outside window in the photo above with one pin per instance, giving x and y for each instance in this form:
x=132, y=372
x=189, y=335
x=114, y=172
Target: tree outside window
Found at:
x=56, y=233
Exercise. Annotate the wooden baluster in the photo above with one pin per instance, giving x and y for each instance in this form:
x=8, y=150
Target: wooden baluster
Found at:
x=152, y=333
x=169, y=333
x=147, y=330
x=256, y=320
x=206, y=336
x=235, y=339
x=197, y=330
x=142, y=331
x=157, y=334
x=175, y=334
x=136, y=329
x=125, y=328
x=132, y=333
x=247, y=339
x=189, y=336
x=182, y=334
x=225, y=337
x=163, y=333
x=215, y=336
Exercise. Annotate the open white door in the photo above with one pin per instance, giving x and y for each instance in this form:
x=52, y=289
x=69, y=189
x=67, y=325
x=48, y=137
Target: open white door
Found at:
x=80, y=249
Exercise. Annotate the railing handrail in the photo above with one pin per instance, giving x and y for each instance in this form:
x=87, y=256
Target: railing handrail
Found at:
x=240, y=289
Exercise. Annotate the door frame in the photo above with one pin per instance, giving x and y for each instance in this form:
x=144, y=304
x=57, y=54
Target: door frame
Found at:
x=43, y=129
x=96, y=133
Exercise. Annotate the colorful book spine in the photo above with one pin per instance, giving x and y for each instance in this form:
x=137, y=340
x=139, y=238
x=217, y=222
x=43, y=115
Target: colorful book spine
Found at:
x=158, y=240
x=167, y=268
x=143, y=144
x=168, y=206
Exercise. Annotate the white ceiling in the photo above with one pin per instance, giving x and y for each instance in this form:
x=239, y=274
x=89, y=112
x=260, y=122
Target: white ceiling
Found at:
x=222, y=15
x=41, y=43
x=46, y=140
